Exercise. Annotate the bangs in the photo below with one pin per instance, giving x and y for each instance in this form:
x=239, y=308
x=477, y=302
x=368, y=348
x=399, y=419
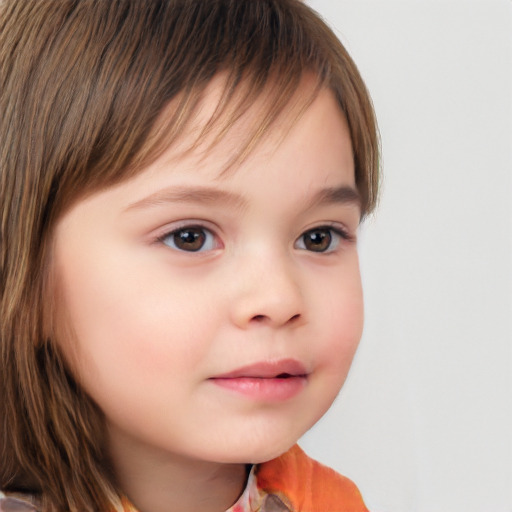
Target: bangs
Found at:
x=261, y=49
x=234, y=115
x=124, y=63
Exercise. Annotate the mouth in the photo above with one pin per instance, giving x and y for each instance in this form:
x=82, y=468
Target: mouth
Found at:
x=284, y=368
x=265, y=381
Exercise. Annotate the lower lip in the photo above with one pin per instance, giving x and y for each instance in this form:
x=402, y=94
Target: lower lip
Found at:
x=264, y=389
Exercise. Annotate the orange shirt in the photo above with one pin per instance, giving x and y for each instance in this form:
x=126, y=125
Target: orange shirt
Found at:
x=305, y=485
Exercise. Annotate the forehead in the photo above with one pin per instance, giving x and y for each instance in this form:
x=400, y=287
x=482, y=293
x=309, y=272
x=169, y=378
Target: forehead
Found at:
x=230, y=125
x=309, y=142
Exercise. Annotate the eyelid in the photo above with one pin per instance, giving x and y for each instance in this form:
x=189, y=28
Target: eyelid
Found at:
x=172, y=226
x=341, y=229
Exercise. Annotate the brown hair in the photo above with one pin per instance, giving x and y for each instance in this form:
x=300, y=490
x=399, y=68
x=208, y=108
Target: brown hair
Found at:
x=82, y=87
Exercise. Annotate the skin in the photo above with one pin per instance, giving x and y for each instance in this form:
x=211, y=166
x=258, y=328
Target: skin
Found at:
x=152, y=323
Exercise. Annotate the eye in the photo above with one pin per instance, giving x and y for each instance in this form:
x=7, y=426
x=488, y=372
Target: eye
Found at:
x=321, y=239
x=190, y=239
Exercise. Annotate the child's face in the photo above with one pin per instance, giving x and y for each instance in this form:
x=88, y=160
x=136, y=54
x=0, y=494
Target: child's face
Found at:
x=190, y=290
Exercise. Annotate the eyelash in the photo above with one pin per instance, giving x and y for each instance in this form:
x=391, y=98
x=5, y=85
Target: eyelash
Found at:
x=334, y=234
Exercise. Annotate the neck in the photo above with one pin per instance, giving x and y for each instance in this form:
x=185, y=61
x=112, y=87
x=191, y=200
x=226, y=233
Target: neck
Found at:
x=159, y=482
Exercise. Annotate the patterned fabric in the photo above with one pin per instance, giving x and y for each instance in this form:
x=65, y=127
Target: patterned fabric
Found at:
x=251, y=499
x=292, y=482
x=15, y=504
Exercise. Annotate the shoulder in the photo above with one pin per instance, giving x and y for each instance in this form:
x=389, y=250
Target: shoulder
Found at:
x=307, y=485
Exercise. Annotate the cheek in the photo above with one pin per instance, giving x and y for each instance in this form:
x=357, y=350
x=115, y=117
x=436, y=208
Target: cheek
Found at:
x=134, y=342
x=132, y=324
x=342, y=318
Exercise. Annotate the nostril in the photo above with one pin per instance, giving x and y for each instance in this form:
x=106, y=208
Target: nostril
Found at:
x=263, y=319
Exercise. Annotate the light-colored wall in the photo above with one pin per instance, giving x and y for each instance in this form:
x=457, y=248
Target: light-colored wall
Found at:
x=424, y=423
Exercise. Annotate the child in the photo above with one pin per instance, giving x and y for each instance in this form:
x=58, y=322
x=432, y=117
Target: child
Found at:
x=181, y=186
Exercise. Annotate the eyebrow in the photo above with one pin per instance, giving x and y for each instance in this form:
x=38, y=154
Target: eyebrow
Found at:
x=336, y=195
x=210, y=196
x=201, y=195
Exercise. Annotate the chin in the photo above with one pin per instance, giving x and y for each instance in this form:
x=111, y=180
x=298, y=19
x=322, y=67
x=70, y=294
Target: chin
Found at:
x=258, y=447
x=252, y=438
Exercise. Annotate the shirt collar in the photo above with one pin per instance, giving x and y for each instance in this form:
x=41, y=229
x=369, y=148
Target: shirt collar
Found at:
x=254, y=499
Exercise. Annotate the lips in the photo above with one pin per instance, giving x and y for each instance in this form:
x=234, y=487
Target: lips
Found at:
x=265, y=381
x=268, y=370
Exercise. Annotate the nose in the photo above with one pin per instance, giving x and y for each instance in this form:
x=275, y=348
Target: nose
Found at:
x=268, y=292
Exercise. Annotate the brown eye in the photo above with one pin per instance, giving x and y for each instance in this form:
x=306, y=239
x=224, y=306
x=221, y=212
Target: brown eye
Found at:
x=317, y=240
x=190, y=239
x=322, y=239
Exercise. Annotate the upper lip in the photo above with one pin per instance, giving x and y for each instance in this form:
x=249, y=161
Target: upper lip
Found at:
x=267, y=370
